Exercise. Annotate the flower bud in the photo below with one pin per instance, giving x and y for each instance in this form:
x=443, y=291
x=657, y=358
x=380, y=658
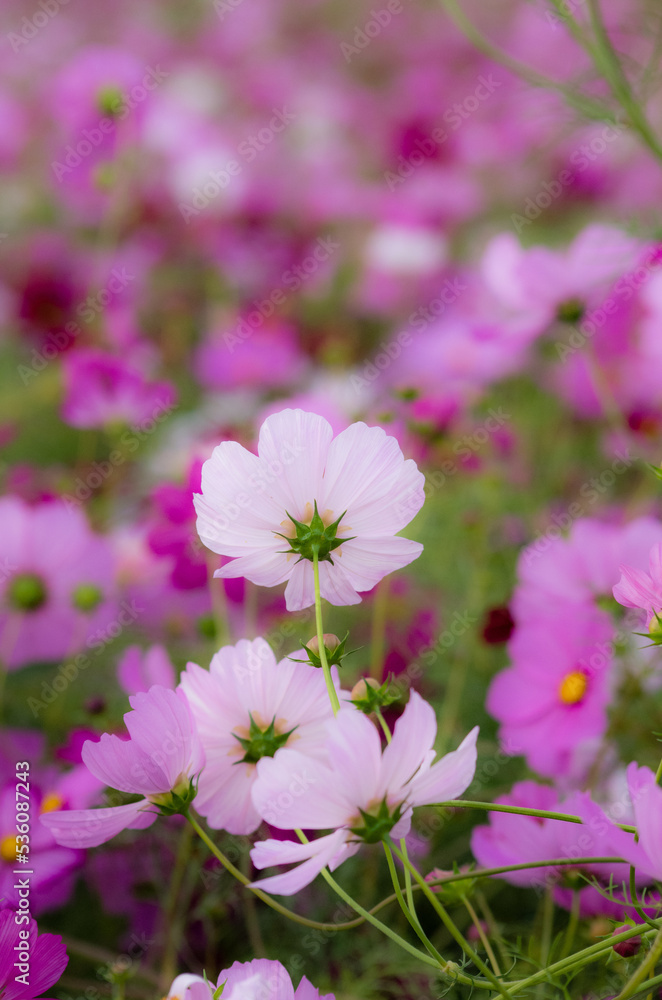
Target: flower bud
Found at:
x=626, y=949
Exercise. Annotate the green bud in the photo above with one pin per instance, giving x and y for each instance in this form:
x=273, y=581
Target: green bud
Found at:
x=86, y=597
x=26, y=592
x=334, y=647
x=178, y=799
x=110, y=101
x=368, y=695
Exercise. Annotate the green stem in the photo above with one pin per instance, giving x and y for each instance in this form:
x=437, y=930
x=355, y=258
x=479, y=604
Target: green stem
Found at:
x=482, y=935
x=169, y=968
x=521, y=811
x=406, y=909
x=635, y=900
x=450, y=926
x=333, y=695
x=378, y=632
x=571, y=929
x=647, y=966
x=227, y=864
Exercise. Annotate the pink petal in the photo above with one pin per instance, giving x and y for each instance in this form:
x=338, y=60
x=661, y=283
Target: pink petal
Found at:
x=296, y=443
x=449, y=777
x=413, y=739
x=635, y=589
x=278, y=852
x=260, y=979
x=83, y=828
x=293, y=791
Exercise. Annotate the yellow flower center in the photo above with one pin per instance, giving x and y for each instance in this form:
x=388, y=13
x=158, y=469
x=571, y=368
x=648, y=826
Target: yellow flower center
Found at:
x=8, y=848
x=51, y=802
x=573, y=687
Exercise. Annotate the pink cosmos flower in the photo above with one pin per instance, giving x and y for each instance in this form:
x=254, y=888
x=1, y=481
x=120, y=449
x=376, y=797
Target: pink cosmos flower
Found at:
x=511, y=839
x=250, y=352
x=139, y=670
x=555, y=696
x=163, y=755
x=637, y=589
x=646, y=798
x=46, y=962
x=247, y=706
x=361, y=793
x=548, y=283
x=57, y=581
x=351, y=493
x=102, y=389
x=261, y=979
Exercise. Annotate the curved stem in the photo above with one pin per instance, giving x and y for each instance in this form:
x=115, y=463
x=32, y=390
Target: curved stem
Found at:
x=450, y=925
x=482, y=935
x=522, y=811
x=406, y=909
x=227, y=864
x=333, y=695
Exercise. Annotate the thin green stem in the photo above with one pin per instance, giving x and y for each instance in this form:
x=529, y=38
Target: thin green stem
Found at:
x=647, y=966
x=573, y=921
x=521, y=811
x=482, y=935
x=406, y=909
x=227, y=864
x=635, y=899
x=333, y=695
x=450, y=925
x=172, y=925
x=378, y=631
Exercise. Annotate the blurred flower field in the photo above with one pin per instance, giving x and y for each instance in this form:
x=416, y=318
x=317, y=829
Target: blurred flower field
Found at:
x=330, y=513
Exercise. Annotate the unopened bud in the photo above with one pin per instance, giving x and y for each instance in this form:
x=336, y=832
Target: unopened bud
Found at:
x=360, y=689
x=331, y=643
x=626, y=949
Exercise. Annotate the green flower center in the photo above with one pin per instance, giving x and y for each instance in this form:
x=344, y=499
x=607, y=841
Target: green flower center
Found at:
x=314, y=537
x=570, y=311
x=261, y=742
x=86, y=597
x=110, y=101
x=27, y=592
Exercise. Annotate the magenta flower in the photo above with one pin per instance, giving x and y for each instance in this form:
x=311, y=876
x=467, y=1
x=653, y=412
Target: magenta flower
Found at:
x=159, y=761
x=362, y=794
x=354, y=492
x=646, y=797
x=637, y=589
x=102, y=390
x=555, y=697
x=45, y=957
x=247, y=706
x=261, y=978
x=511, y=839
x=56, y=582
x=139, y=670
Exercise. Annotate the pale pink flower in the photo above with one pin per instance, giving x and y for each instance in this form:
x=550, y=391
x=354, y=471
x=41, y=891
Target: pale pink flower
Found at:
x=246, y=695
x=260, y=979
x=163, y=755
x=637, y=589
x=361, y=793
x=358, y=479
